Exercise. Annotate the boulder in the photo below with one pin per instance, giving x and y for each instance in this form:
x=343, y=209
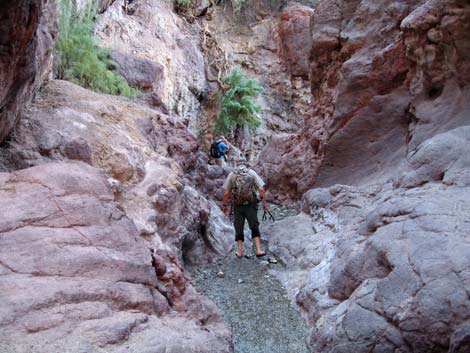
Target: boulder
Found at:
x=142, y=73
x=288, y=165
x=76, y=275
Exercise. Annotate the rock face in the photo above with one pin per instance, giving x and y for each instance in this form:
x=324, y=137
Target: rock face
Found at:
x=158, y=51
x=149, y=157
x=253, y=40
x=378, y=261
x=383, y=268
x=295, y=38
x=27, y=32
x=287, y=160
x=76, y=275
x=393, y=81
x=146, y=159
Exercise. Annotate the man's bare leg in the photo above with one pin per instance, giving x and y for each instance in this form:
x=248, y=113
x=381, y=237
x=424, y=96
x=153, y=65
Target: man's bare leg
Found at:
x=240, y=248
x=257, y=242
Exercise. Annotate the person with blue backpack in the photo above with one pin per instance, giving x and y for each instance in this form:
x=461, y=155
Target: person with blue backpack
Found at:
x=218, y=150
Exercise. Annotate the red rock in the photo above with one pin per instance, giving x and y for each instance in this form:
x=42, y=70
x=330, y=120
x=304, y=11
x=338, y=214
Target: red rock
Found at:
x=159, y=264
x=74, y=267
x=140, y=73
x=294, y=33
x=27, y=33
x=374, y=83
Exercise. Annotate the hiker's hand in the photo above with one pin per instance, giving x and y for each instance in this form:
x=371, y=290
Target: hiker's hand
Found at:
x=265, y=206
x=225, y=209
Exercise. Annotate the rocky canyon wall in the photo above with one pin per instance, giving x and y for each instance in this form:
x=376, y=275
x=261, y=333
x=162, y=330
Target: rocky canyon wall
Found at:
x=378, y=260
x=100, y=201
x=393, y=81
x=251, y=39
x=27, y=33
x=159, y=52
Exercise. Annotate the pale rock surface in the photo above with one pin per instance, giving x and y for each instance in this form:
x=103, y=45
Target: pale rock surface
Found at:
x=145, y=153
x=76, y=275
x=160, y=40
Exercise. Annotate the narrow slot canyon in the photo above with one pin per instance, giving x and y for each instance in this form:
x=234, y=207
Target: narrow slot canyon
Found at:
x=115, y=235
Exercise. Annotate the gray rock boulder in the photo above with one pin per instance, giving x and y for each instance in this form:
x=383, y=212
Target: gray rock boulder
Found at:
x=380, y=269
x=141, y=73
x=443, y=157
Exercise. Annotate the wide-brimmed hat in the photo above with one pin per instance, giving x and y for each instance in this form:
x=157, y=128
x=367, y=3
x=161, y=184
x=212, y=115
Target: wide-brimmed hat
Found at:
x=242, y=169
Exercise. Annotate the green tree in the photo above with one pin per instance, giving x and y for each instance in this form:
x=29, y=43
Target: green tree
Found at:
x=81, y=60
x=237, y=107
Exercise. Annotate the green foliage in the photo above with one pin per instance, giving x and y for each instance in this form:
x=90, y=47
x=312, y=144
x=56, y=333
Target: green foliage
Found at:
x=81, y=60
x=237, y=107
x=183, y=2
x=237, y=5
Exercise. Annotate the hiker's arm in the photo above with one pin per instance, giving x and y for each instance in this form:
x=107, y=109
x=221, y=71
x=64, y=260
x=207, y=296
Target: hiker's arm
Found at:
x=225, y=201
x=262, y=193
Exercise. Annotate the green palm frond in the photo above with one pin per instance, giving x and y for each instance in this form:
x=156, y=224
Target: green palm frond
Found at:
x=237, y=105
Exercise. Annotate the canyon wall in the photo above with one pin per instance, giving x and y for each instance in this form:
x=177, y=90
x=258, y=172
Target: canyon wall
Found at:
x=106, y=198
x=378, y=259
x=384, y=82
x=159, y=52
x=251, y=39
x=27, y=33
x=100, y=195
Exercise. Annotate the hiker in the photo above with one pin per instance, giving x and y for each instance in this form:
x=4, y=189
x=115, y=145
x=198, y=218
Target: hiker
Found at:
x=218, y=150
x=243, y=185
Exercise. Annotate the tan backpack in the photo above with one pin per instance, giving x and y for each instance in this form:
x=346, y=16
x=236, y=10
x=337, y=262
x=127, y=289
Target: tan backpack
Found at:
x=243, y=189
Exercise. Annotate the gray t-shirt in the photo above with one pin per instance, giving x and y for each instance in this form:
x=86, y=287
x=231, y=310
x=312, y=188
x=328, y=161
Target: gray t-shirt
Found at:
x=229, y=181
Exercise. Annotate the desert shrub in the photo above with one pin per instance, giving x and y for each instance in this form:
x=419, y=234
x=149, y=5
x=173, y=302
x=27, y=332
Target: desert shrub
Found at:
x=81, y=60
x=237, y=5
x=237, y=106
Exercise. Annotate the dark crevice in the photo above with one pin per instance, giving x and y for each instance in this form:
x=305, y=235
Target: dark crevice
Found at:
x=410, y=120
x=154, y=265
x=435, y=91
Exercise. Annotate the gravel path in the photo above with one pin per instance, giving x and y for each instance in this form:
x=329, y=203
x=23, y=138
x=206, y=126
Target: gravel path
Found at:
x=254, y=304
